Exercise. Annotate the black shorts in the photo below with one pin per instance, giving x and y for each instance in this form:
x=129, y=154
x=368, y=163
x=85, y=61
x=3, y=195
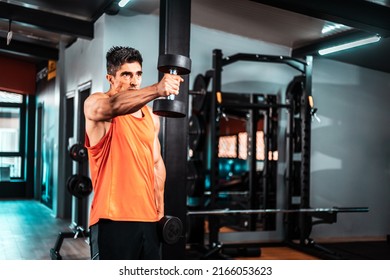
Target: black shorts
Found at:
x=119, y=240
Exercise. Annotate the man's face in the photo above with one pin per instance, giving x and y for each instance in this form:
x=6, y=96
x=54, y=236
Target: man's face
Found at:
x=129, y=76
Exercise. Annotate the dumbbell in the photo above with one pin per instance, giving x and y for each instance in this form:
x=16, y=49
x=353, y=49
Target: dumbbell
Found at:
x=175, y=64
x=170, y=229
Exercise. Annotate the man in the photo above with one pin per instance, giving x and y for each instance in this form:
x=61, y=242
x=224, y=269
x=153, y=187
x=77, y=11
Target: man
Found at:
x=127, y=170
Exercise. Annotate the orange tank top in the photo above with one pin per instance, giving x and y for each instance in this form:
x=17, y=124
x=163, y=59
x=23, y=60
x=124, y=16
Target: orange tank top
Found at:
x=122, y=171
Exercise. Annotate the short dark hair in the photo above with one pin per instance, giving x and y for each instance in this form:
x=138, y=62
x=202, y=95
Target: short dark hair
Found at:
x=118, y=55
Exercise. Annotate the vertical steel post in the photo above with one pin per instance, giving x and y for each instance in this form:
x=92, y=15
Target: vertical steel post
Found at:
x=253, y=179
x=306, y=152
x=214, y=134
x=175, y=23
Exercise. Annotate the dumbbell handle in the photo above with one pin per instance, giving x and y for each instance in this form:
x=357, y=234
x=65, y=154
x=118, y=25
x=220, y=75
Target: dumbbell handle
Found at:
x=172, y=71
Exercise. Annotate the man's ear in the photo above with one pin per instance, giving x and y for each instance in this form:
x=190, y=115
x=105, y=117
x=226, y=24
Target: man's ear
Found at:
x=110, y=78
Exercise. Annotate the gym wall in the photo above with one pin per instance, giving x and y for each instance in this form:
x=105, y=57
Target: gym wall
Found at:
x=350, y=151
x=347, y=169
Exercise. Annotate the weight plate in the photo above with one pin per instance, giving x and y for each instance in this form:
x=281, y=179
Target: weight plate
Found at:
x=79, y=186
x=195, y=178
x=83, y=187
x=196, y=130
x=198, y=100
x=294, y=93
x=78, y=152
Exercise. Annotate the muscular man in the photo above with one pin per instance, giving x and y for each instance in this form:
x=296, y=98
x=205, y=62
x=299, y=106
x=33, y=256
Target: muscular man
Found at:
x=127, y=170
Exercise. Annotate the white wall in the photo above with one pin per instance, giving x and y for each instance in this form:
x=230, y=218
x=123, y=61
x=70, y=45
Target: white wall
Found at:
x=140, y=32
x=84, y=61
x=350, y=151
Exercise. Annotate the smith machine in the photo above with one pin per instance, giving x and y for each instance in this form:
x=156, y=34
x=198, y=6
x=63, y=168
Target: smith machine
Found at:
x=248, y=202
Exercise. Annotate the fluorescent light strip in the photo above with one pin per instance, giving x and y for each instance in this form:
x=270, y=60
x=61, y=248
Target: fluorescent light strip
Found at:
x=353, y=44
x=123, y=3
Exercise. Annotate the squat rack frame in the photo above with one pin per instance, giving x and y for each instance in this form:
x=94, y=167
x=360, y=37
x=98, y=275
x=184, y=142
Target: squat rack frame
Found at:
x=305, y=68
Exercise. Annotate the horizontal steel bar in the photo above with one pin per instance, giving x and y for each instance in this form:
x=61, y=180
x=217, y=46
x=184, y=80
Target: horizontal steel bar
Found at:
x=228, y=211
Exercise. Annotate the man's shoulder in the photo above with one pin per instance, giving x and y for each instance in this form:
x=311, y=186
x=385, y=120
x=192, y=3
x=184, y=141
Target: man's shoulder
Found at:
x=97, y=95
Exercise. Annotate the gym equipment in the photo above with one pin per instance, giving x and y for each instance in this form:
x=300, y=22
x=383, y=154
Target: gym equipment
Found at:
x=77, y=232
x=298, y=217
x=177, y=65
x=170, y=229
x=198, y=93
x=253, y=105
x=79, y=185
x=78, y=152
x=195, y=178
x=266, y=211
x=243, y=251
x=196, y=131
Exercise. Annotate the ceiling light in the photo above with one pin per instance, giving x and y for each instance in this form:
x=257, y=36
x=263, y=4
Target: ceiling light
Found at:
x=123, y=3
x=9, y=34
x=353, y=44
x=331, y=27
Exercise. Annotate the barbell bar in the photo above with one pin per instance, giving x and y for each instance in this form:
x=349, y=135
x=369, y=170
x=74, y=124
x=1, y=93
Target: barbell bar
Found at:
x=228, y=211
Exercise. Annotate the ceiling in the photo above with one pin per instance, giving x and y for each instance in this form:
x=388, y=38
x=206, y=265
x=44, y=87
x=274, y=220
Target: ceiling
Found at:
x=40, y=27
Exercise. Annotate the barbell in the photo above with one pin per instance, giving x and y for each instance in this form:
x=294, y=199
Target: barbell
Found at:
x=228, y=211
x=170, y=228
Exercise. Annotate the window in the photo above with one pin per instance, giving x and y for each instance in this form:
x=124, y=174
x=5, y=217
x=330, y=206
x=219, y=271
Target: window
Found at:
x=228, y=146
x=11, y=132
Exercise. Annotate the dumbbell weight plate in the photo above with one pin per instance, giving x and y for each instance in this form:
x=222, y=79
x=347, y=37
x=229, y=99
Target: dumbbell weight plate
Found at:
x=181, y=63
x=169, y=108
x=170, y=229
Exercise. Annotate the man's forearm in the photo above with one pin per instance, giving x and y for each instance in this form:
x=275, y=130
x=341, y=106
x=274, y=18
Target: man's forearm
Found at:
x=128, y=102
x=159, y=185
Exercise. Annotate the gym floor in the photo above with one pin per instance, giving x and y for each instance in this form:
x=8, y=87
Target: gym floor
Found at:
x=28, y=231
